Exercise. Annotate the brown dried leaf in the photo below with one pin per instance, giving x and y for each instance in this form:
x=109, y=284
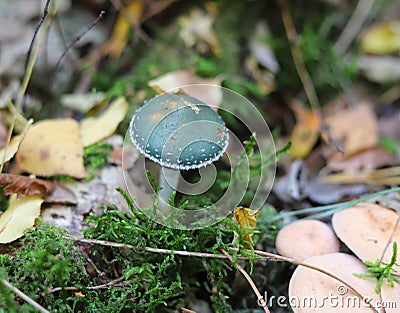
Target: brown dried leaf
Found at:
x=24, y=185
x=61, y=195
x=365, y=160
x=355, y=128
x=52, y=147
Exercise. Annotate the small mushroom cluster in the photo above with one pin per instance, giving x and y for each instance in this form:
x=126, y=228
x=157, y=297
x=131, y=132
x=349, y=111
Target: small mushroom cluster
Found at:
x=368, y=230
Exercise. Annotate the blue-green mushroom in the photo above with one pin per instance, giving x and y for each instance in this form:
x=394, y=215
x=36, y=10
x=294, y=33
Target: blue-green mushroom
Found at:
x=178, y=132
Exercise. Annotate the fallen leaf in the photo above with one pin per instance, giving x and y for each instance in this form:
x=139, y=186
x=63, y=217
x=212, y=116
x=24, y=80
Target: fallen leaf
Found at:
x=380, y=69
x=130, y=15
x=82, y=102
x=383, y=38
x=61, y=195
x=324, y=193
x=95, y=129
x=7, y=152
x=247, y=218
x=356, y=129
x=20, y=216
x=24, y=185
x=365, y=160
x=52, y=147
x=197, y=28
x=201, y=88
x=305, y=133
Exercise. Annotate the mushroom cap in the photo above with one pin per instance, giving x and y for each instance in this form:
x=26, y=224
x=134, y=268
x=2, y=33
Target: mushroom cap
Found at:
x=313, y=291
x=306, y=238
x=178, y=131
x=366, y=229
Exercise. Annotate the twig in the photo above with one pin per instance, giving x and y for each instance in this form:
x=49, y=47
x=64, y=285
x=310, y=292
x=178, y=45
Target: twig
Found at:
x=42, y=18
x=79, y=37
x=354, y=25
x=260, y=298
x=155, y=250
x=297, y=57
x=110, y=283
x=24, y=297
x=187, y=310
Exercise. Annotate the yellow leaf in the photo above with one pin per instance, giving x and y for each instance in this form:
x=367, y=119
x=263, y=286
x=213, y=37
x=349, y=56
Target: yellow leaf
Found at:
x=7, y=152
x=382, y=38
x=180, y=79
x=305, y=133
x=247, y=218
x=52, y=147
x=95, y=129
x=131, y=14
x=20, y=216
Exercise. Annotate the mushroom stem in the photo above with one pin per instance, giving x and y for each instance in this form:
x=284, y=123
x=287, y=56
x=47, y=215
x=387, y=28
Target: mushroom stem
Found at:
x=168, y=182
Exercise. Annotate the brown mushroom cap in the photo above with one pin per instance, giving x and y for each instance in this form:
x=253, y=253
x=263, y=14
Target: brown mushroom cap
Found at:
x=390, y=297
x=366, y=229
x=306, y=238
x=313, y=291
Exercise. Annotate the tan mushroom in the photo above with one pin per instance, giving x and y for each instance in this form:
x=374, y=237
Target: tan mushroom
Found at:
x=390, y=298
x=366, y=229
x=306, y=238
x=313, y=291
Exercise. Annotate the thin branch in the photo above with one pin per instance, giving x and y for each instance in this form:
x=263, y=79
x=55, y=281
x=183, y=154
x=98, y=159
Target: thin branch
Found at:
x=24, y=297
x=354, y=25
x=187, y=310
x=79, y=37
x=154, y=250
x=110, y=283
x=42, y=18
x=260, y=298
x=297, y=57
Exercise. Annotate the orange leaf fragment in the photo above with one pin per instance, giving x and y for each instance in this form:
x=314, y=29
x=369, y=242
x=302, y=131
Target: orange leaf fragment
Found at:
x=305, y=133
x=52, y=147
